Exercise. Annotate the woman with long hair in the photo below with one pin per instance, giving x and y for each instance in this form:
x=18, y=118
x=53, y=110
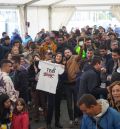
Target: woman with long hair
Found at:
x=114, y=95
x=20, y=119
x=54, y=100
x=5, y=112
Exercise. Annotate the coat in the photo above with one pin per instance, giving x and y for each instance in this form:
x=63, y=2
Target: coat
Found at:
x=20, y=121
x=73, y=67
x=90, y=84
x=110, y=67
x=110, y=120
x=21, y=86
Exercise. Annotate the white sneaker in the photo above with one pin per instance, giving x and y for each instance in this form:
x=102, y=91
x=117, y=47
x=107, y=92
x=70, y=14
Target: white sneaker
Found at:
x=71, y=124
x=76, y=122
x=40, y=109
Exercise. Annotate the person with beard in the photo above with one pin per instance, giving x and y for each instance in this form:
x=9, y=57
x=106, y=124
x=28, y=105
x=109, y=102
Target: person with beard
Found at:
x=62, y=44
x=85, y=64
x=105, y=59
x=72, y=69
x=88, y=43
x=113, y=64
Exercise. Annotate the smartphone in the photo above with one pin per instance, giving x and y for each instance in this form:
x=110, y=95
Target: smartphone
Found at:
x=81, y=43
x=64, y=59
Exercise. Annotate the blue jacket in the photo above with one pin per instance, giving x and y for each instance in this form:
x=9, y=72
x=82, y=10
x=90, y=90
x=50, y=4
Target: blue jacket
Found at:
x=110, y=120
x=26, y=40
x=14, y=38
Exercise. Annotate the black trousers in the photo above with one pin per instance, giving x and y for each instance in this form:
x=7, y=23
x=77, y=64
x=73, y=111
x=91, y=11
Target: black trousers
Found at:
x=54, y=101
x=71, y=97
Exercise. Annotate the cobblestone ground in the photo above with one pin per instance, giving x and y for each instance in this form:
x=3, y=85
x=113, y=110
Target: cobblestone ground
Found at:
x=64, y=119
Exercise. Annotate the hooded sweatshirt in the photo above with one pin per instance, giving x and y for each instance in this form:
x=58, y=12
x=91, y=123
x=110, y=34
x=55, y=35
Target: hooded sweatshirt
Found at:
x=104, y=105
x=109, y=118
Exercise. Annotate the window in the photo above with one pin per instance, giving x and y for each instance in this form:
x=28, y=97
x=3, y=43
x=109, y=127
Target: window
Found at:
x=82, y=18
x=8, y=20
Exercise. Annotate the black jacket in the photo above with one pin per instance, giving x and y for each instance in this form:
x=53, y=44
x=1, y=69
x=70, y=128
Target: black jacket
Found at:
x=3, y=51
x=20, y=80
x=110, y=66
x=90, y=83
x=108, y=57
x=115, y=77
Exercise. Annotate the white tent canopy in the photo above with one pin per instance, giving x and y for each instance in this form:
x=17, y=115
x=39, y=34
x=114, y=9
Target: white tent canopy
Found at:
x=52, y=14
x=60, y=2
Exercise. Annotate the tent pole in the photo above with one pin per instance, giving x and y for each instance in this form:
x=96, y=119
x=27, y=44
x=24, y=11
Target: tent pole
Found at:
x=50, y=17
x=25, y=17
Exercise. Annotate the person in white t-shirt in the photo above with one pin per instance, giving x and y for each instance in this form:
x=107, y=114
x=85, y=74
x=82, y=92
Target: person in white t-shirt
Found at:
x=49, y=82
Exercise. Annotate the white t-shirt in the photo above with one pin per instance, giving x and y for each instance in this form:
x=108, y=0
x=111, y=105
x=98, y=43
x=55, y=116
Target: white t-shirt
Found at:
x=48, y=77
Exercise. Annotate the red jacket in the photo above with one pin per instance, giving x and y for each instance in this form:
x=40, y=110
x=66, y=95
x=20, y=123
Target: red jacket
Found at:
x=20, y=121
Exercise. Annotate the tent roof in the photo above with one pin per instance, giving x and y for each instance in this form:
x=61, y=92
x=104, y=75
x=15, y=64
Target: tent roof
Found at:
x=13, y=2
x=60, y=2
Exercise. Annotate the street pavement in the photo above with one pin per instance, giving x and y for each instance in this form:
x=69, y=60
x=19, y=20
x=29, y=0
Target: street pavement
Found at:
x=64, y=119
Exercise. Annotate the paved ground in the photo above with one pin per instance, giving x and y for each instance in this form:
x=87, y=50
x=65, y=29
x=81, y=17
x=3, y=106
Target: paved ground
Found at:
x=64, y=119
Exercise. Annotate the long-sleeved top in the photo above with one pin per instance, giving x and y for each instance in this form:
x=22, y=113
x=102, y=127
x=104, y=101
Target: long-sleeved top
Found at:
x=109, y=118
x=20, y=121
x=20, y=80
x=90, y=83
x=7, y=87
x=3, y=51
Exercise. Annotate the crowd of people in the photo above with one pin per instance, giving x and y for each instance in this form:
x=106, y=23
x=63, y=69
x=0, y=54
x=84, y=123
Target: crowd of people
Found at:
x=84, y=65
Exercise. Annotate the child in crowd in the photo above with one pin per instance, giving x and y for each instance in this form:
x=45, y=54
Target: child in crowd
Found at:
x=5, y=114
x=20, y=118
